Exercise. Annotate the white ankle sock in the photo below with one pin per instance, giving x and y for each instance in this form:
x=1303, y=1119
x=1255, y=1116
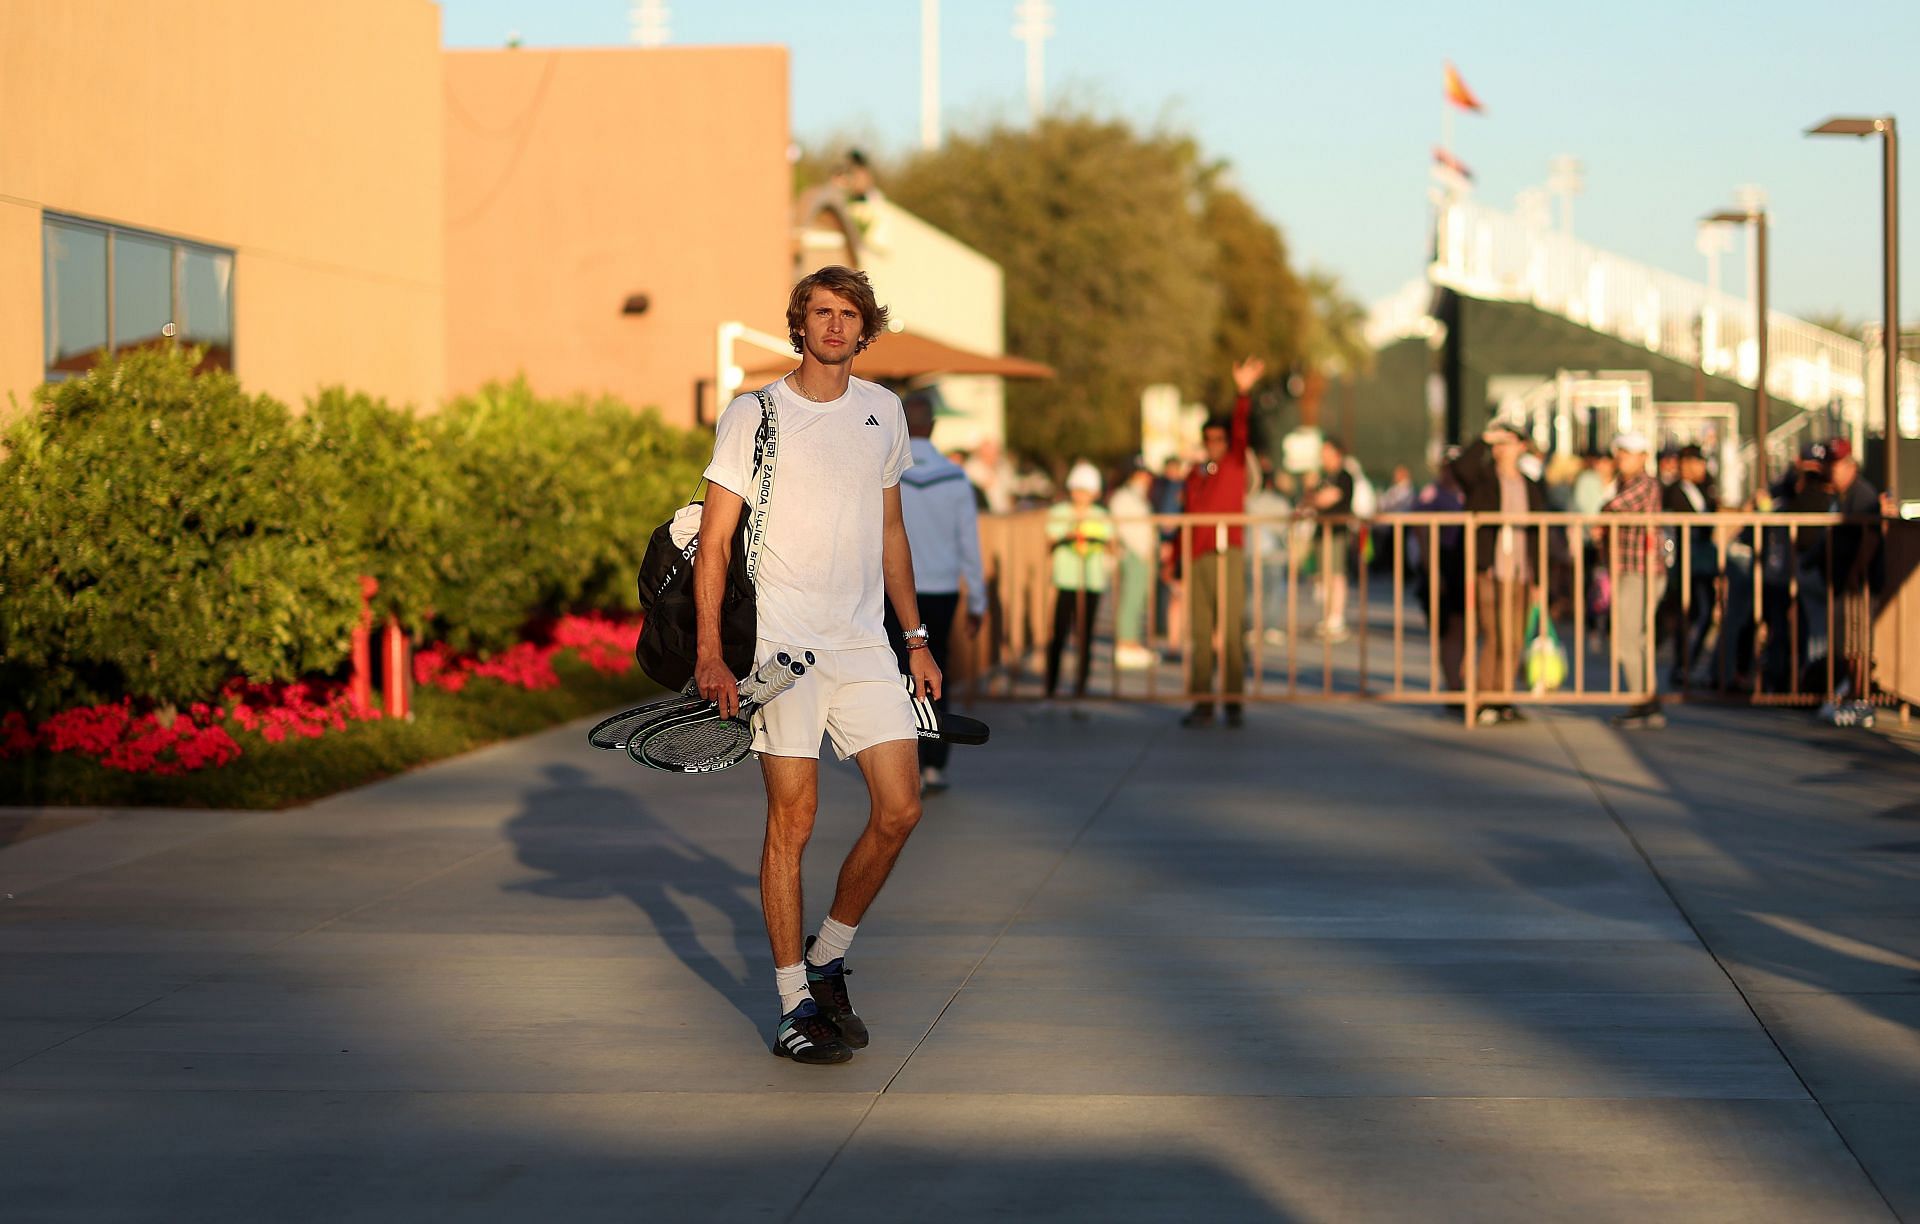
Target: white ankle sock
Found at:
x=833, y=942
x=791, y=982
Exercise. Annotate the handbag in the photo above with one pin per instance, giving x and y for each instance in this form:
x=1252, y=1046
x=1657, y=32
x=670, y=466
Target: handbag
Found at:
x=669, y=634
x=1546, y=660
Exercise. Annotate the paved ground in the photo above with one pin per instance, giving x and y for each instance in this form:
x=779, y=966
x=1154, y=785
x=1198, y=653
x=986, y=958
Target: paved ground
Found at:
x=1350, y=963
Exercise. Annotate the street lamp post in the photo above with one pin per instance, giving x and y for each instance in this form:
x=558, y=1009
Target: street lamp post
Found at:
x=1890, y=275
x=929, y=74
x=1756, y=217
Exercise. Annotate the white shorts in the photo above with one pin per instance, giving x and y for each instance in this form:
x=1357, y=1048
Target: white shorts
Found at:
x=856, y=697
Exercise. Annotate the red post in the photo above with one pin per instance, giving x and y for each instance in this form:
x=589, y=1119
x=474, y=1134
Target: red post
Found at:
x=398, y=666
x=360, y=688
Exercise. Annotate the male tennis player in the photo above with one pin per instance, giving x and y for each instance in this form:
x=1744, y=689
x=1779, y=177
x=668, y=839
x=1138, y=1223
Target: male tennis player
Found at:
x=835, y=546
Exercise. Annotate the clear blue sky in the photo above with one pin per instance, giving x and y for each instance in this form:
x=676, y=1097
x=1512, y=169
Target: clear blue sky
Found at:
x=1328, y=112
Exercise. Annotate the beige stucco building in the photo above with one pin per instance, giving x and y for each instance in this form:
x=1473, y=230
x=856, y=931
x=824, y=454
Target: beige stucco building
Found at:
x=939, y=287
x=323, y=195
x=608, y=209
x=263, y=178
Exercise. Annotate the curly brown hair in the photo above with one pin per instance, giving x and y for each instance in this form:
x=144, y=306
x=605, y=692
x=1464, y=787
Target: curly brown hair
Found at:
x=848, y=283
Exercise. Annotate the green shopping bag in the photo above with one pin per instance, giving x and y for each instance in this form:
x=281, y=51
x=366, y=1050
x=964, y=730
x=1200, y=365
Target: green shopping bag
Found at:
x=1546, y=659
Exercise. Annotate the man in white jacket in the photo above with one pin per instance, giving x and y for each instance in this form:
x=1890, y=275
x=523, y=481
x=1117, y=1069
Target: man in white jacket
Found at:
x=943, y=529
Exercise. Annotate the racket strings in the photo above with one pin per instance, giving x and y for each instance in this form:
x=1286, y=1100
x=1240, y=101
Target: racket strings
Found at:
x=774, y=677
x=696, y=744
x=616, y=732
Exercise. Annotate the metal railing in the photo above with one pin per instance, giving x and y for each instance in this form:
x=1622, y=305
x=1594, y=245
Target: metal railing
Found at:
x=1752, y=610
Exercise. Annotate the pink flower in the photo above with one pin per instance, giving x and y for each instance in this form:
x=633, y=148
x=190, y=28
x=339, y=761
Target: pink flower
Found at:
x=195, y=739
x=602, y=642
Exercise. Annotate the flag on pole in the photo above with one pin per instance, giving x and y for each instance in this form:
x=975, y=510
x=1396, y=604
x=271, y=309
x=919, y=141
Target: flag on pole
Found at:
x=1448, y=161
x=1457, y=91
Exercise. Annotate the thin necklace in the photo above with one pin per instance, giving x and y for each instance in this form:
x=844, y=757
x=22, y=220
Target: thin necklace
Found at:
x=793, y=380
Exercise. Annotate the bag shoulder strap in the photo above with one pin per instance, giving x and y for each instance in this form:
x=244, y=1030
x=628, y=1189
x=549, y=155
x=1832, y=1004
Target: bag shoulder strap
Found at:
x=765, y=448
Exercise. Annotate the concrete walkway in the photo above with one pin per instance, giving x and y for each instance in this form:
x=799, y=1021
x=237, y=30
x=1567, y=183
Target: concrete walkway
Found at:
x=1349, y=963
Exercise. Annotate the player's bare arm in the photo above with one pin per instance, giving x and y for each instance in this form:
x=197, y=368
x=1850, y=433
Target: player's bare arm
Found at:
x=896, y=564
x=719, y=520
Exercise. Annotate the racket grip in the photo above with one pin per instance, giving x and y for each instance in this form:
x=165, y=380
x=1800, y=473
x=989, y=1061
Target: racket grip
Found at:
x=773, y=678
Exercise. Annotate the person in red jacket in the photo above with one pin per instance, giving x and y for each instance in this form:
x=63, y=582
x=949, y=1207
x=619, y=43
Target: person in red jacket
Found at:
x=1217, y=582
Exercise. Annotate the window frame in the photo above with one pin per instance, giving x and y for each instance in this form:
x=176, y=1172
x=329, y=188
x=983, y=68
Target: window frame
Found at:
x=179, y=248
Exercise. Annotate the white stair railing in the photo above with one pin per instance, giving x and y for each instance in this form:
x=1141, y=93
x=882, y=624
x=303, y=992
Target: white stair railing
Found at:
x=1487, y=254
x=1401, y=315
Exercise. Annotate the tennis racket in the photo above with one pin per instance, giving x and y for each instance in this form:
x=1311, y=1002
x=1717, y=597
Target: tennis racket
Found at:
x=616, y=732
x=701, y=741
x=933, y=725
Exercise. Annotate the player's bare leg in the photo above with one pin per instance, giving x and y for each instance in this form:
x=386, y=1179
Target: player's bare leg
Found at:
x=804, y=1033
x=793, y=797
x=892, y=771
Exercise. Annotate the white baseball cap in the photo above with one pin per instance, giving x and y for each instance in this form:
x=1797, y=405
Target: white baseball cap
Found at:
x=1631, y=443
x=1084, y=476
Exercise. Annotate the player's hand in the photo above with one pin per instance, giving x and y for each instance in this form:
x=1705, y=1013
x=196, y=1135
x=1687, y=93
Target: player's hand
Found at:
x=925, y=673
x=717, y=685
x=974, y=621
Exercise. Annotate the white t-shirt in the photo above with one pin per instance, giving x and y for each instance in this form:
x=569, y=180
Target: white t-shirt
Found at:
x=819, y=584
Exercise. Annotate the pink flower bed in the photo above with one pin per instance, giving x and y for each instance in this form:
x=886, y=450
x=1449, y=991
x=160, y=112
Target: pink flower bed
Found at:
x=119, y=737
x=305, y=709
x=603, y=643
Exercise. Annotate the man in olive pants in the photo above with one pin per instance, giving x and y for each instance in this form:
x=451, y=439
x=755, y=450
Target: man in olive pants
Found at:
x=1639, y=580
x=1217, y=595
x=1217, y=583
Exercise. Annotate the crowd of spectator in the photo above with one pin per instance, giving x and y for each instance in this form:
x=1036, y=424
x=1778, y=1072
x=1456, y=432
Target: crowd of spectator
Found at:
x=1667, y=607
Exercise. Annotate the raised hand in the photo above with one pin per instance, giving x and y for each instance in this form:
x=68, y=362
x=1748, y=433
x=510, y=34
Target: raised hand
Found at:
x=1247, y=373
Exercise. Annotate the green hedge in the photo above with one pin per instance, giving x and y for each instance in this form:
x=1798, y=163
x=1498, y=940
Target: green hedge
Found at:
x=166, y=531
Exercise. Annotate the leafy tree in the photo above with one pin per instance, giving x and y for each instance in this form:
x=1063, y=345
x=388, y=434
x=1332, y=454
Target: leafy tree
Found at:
x=1336, y=341
x=396, y=513
x=161, y=539
x=556, y=501
x=1110, y=273
x=167, y=531
x=1264, y=309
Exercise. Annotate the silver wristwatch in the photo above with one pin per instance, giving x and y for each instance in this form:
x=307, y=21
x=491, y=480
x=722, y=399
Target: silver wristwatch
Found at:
x=917, y=635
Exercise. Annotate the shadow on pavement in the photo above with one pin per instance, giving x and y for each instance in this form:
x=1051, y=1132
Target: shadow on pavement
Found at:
x=235, y=1160
x=593, y=841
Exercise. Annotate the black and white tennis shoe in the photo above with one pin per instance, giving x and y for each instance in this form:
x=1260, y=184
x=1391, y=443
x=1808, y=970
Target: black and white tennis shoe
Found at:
x=828, y=985
x=806, y=1036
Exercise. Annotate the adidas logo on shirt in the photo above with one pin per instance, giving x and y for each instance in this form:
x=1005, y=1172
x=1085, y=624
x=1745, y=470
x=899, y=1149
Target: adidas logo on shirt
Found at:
x=871, y=420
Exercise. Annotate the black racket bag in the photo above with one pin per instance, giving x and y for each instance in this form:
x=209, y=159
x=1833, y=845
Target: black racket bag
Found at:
x=669, y=634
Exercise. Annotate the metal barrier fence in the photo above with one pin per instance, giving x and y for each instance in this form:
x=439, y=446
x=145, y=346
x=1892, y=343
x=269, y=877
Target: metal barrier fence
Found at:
x=1760, y=608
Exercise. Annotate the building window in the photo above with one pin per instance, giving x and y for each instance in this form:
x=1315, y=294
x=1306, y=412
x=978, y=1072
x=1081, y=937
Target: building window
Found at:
x=113, y=289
